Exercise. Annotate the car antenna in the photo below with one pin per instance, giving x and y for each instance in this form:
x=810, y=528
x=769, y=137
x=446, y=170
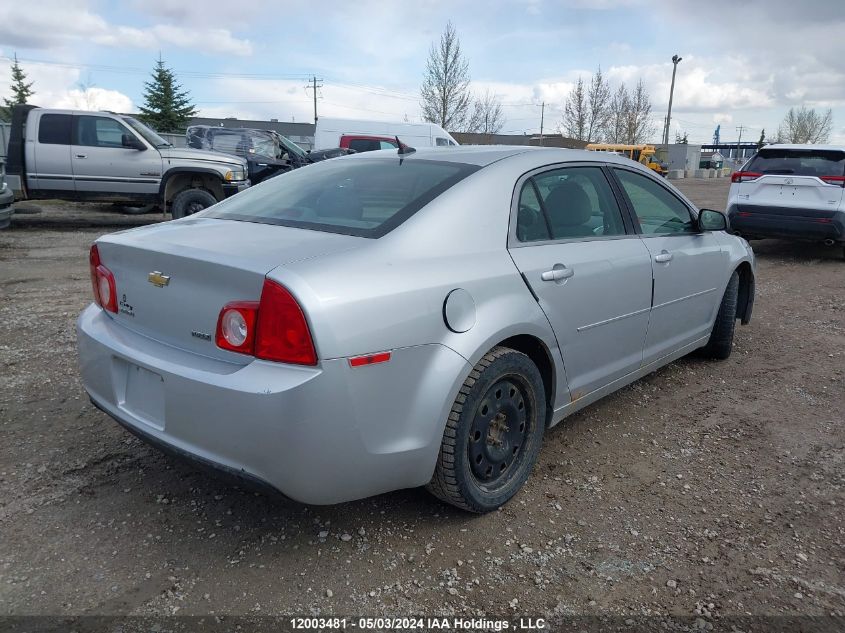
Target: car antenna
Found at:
x=404, y=149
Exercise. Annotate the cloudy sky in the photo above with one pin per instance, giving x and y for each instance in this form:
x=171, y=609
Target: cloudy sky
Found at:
x=744, y=63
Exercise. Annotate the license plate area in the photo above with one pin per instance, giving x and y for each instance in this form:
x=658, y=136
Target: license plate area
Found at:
x=140, y=393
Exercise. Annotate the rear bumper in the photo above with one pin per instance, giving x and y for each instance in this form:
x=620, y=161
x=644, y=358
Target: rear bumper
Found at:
x=808, y=224
x=320, y=435
x=231, y=188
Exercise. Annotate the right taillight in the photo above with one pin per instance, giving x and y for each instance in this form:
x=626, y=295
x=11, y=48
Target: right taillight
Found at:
x=744, y=176
x=834, y=180
x=282, y=333
x=102, y=282
x=273, y=328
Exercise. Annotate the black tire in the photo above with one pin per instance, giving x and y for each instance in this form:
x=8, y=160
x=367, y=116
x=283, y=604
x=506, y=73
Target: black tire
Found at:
x=191, y=201
x=504, y=387
x=137, y=210
x=721, y=338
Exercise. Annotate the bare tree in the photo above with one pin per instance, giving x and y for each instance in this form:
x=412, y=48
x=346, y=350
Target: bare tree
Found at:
x=638, y=124
x=598, y=103
x=445, y=89
x=487, y=116
x=805, y=126
x=574, y=124
x=617, y=113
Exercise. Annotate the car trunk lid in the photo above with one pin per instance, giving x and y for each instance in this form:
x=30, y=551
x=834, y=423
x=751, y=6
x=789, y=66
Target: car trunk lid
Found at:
x=173, y=279
x=790, y=178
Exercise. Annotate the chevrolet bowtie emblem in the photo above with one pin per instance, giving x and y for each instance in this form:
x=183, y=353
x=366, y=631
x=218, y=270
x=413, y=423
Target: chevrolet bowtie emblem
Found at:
x=157, y=279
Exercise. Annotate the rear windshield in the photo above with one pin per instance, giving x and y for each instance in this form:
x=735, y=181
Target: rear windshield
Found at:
x=363, y=197
x=809, y=162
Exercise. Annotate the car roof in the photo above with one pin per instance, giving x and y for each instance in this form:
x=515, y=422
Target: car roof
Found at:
x=483, y=155
x=807, y=148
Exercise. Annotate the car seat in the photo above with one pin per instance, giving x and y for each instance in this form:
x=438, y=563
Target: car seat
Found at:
x=570, y=211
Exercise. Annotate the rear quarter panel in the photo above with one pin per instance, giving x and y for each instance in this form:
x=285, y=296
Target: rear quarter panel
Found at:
x=391, y=293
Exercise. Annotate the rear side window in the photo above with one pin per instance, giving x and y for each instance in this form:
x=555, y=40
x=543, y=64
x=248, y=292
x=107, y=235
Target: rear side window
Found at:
x=574, y=202
x=363, y=197
x=369, y=144
x=54, y=129
x=800, y=162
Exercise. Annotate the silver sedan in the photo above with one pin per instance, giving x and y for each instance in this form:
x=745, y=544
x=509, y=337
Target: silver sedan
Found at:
x=385, y=321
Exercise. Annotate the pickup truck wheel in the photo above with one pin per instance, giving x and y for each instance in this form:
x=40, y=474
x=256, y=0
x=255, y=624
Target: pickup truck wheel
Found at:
x=722, y=337
x=191, y=201
x=493, y=433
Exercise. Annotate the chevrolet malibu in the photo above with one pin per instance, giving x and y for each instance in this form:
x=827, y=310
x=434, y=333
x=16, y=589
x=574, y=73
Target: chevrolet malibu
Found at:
x=390, y=320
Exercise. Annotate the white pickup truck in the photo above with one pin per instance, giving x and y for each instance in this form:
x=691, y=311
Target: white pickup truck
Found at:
x=107, y=157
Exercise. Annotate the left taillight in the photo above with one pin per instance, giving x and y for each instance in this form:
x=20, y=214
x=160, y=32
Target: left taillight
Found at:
x=102, y=282
x=236, y=326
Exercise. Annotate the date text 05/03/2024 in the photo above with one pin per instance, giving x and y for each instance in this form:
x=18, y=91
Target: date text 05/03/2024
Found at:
x=411, y=623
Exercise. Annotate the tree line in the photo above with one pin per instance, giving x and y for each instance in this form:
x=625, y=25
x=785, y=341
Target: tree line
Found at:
x=594, y=110
x=167, y=106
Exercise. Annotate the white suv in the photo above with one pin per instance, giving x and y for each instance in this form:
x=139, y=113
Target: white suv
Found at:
x=791, y=191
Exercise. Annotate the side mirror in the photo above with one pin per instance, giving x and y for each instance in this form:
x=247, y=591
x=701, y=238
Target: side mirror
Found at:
x=131, y=142
x=711, y=220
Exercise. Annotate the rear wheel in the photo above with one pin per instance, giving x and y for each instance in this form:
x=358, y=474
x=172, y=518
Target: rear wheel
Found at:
x=191, y=201
x=493, y=433
x=721, y=338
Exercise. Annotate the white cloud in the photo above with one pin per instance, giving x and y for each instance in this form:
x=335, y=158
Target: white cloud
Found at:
x=51, y=24
x=60, y=87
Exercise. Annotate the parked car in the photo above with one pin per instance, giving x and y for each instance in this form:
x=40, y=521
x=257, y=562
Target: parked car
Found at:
x=266, y=152
x=364, y=136
x=385, y=321
x=107, y=157
x=791, y=191
x=6, y=199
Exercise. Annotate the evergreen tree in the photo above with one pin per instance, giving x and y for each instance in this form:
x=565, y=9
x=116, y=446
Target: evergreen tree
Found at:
x=21, y=90
x=762, y=140
x=167, y=107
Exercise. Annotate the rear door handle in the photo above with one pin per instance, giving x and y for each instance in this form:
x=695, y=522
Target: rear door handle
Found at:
x=80, y=155
x=663, y=257
x=557, y=274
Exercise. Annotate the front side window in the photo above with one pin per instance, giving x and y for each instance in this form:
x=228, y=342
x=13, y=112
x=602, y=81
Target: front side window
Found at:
x=367, y=197
x=386, y=145
x=54, y=129
x=575, y=202
x=96, y=131
x=656, y=208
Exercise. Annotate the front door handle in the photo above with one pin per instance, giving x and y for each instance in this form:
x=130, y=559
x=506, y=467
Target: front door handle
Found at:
x=558, y=273
x=80, y=155
x=663, y=256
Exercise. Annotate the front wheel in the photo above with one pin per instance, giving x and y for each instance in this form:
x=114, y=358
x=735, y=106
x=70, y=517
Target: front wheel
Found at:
x=493, y=433
x=191, y=201
x=722, y=336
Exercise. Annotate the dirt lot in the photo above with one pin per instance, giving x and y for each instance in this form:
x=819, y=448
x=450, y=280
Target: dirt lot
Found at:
x=704, y=490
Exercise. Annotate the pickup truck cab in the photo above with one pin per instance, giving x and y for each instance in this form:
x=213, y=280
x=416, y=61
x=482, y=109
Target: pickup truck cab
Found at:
x=108, y=157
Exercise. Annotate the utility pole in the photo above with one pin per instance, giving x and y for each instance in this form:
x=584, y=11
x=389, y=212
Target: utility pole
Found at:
x=675, y=61
x=739, y=140
x=313, y=86
x=542, y=114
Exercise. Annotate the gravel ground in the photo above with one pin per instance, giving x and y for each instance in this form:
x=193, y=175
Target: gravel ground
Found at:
x=705, y=490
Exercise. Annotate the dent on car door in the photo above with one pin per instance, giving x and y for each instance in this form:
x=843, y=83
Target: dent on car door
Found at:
x=687, y=265
x=591, y=275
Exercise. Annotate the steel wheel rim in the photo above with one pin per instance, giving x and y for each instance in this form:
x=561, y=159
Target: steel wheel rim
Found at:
x=195, y=207
x=499, y=433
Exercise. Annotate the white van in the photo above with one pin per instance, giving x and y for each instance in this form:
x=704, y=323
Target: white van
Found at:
x=363, y=136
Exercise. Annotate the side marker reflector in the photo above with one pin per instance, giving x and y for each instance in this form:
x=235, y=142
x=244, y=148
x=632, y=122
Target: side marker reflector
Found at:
x=369, y=359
